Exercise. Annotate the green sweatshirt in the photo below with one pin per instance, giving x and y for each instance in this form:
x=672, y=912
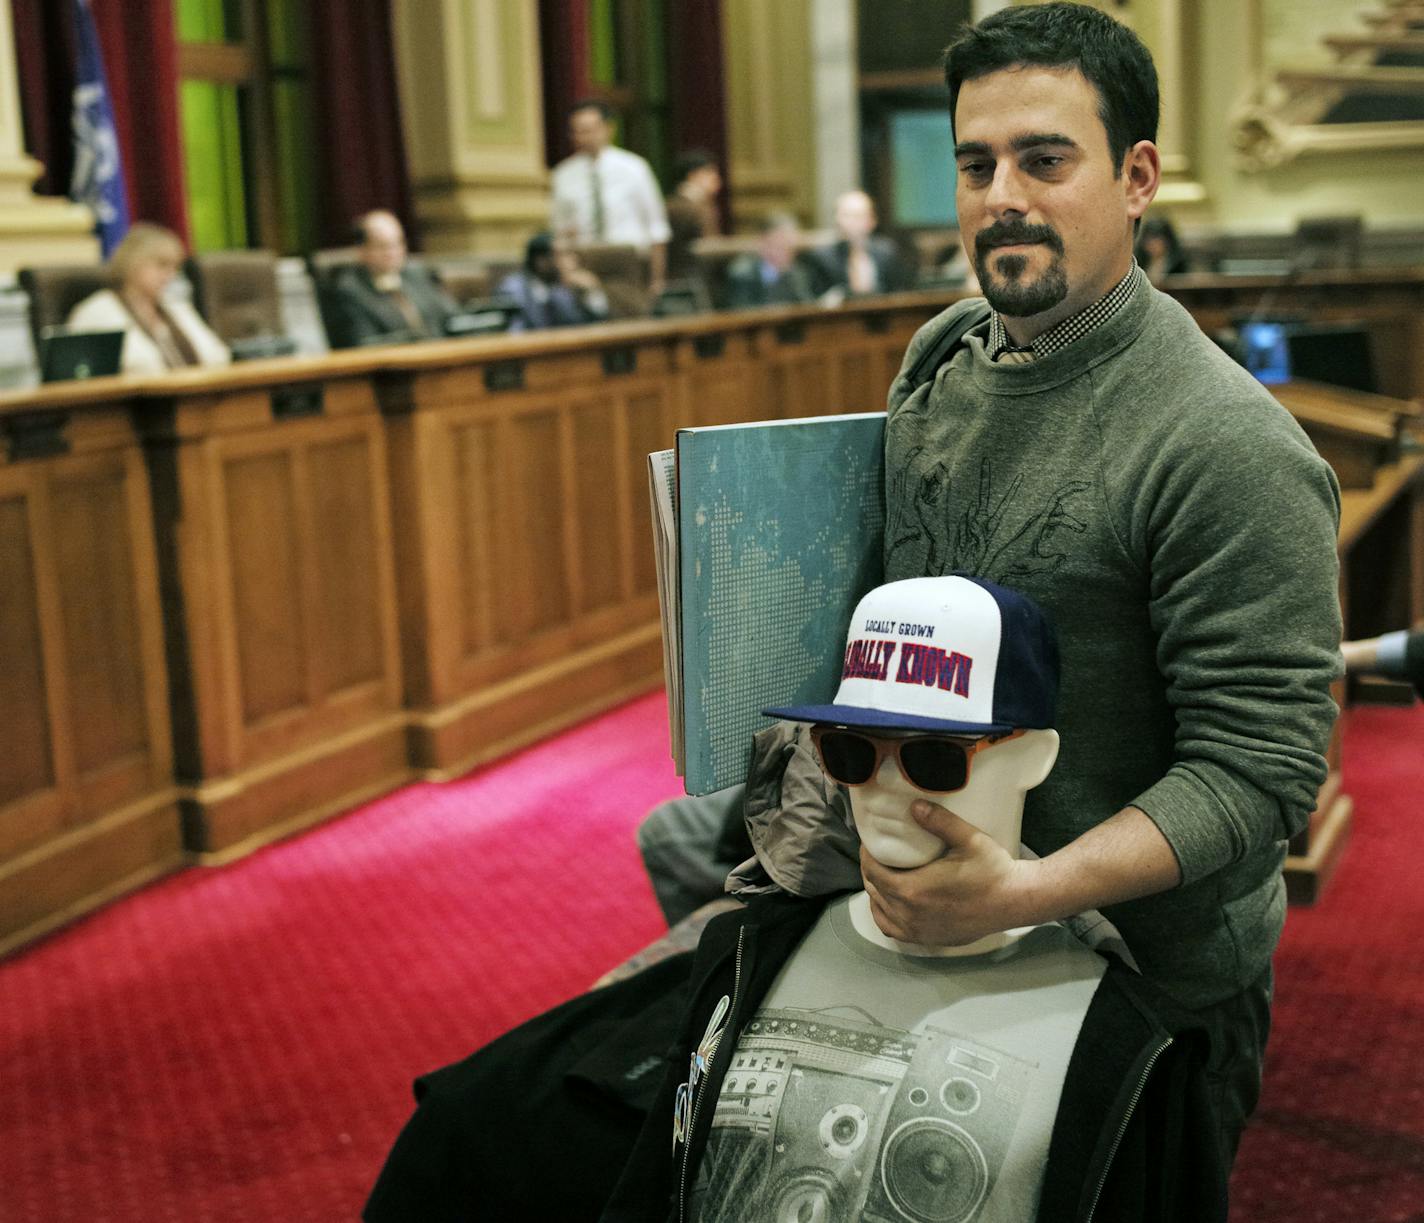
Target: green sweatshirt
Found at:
x=1179, y=529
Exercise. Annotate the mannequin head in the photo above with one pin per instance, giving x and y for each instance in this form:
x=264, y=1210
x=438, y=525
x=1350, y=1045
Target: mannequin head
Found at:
x=947, y=694
x=1001, y=771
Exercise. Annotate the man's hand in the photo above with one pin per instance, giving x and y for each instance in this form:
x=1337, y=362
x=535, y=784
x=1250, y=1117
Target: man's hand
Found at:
x=975, y=889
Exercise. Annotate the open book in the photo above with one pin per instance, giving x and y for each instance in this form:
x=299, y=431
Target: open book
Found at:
x=767, y=535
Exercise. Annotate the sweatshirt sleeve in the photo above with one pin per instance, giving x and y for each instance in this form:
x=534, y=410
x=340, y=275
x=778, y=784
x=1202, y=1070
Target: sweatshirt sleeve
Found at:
x=1240, y=531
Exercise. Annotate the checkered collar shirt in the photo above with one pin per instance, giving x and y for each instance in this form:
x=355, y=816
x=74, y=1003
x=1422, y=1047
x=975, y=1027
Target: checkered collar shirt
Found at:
x=1075, y=327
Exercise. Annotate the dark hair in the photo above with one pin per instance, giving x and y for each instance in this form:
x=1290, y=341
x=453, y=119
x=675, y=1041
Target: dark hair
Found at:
x=689, y=163
x=597, y=104
x=1105, y=51
x=540, y=244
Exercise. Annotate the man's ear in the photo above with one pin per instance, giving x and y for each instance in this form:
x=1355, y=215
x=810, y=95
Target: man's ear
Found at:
x=1032, y=755
x=1142, y=176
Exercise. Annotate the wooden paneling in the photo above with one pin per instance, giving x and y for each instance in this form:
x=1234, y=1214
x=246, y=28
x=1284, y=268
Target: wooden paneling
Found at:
x=26, y=764
x=281, y=546
x=87, y=801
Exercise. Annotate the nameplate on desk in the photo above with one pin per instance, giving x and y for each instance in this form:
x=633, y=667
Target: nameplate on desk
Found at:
x=504, y=376
x=709, y=346
x=791, y=333
x=620, y=360
x=295, y=402
x=35, y=435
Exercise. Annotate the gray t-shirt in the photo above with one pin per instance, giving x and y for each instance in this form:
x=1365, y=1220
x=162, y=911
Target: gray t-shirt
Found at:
x=872, y=1085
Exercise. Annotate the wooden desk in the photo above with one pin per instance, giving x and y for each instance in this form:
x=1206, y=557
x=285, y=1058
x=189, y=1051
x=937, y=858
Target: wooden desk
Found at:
x=1389, y=301
x=260, y=595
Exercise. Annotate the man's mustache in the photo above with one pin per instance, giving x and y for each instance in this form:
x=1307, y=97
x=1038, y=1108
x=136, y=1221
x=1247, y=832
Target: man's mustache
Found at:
x=1009, y=233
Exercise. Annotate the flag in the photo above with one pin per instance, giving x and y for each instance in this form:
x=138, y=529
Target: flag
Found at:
x=98, y=173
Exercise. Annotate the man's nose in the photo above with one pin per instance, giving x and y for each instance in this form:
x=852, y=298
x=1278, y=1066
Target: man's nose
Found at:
x=1008, y=194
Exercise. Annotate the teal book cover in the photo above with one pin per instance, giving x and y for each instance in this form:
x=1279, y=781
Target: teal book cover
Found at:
x=779, y=535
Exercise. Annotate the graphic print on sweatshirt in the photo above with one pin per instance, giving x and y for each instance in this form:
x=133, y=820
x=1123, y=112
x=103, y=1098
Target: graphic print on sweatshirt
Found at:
x=829, y=1116
x=998, y=535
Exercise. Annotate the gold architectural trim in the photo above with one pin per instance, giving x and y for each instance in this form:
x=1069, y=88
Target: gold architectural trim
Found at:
x=1270, y=129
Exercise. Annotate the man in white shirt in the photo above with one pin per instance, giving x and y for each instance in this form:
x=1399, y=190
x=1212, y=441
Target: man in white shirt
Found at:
x=607, y=194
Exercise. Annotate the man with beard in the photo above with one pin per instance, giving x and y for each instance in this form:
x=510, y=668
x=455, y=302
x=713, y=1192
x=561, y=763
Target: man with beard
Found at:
x=1084, y=443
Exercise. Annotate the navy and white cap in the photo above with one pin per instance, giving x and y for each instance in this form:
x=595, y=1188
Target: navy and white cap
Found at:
x=953, y=654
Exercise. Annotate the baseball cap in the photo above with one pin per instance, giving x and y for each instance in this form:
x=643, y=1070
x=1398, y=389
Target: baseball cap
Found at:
x=956, y=654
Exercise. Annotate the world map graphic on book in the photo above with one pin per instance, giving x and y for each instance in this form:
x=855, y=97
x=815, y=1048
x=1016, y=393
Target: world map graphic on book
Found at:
x=778, y=531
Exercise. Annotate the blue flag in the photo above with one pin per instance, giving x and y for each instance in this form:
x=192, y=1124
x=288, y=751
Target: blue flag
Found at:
x=98, y=173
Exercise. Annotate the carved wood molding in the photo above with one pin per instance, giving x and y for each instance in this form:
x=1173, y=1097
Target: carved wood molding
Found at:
x=1280, y=121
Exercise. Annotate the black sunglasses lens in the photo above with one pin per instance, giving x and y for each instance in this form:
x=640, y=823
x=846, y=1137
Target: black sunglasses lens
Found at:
x=849, y=758
x=935, y=764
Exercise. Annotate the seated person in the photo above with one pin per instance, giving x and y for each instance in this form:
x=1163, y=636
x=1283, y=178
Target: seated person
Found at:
x=692, y=212
x=386, y=297
x=773, y=276
x=1158, y=249
x=820, y=1068
x=861, y=261
x=553, y=289
x=1398, y=655
x=159, y=335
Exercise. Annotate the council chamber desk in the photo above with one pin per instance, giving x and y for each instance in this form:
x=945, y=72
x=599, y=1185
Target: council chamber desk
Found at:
x=235, y=602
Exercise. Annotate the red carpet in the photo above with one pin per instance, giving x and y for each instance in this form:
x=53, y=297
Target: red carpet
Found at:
x=237, y=1045
x=1339, y=1133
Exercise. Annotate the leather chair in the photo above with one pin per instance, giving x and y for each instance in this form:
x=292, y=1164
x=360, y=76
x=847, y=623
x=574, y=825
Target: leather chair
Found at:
x=624, y=272
x=1329, y=242
x=236, y=291
x=323, y=267
x=55, y=290
x=466, y=282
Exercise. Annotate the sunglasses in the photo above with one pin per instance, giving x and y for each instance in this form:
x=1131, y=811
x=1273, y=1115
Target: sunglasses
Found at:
x=938, y=764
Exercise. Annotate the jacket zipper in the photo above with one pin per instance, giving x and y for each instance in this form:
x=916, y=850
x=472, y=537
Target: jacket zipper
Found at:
x=1126, y=1119
x=706, y=1075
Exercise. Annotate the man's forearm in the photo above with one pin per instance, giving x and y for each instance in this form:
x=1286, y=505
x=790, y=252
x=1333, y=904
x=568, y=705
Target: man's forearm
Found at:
x=1122, y=858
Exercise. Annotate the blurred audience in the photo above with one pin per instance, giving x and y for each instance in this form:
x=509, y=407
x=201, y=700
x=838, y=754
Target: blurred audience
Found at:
x=774, y=275
x=692, y=212
x=606, y=194
x=861, y=261
x=1159, y=251
x=385, y=297
x=553, y=290
x=158, y=334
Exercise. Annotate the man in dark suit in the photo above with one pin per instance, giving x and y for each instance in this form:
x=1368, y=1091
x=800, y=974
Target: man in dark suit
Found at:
x=384, y=298
x=861, y=262
x=553, y=290
x=773, y=276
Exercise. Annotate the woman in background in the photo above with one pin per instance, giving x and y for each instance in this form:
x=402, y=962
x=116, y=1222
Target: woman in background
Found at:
x=158, y=335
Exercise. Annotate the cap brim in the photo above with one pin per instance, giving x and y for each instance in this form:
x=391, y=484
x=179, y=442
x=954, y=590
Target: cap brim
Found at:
x=880, y=719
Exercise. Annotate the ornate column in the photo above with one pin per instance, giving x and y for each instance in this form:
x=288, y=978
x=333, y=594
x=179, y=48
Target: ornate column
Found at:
x=771, y=124
x=34, y=229
x=837, y=103
x=470, y=90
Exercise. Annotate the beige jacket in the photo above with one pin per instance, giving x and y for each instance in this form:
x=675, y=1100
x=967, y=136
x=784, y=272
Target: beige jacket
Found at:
x=105, y=311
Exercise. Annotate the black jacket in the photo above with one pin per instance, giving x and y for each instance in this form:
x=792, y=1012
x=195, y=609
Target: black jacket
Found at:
x=571, y=1115
x=830, y=266
x=360, y=313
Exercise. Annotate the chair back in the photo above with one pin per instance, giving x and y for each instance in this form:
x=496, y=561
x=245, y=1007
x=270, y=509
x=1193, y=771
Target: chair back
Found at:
x=624, y=272
x=236, y=291
x=323, y=267
x=1329, y=242
x=55, y=290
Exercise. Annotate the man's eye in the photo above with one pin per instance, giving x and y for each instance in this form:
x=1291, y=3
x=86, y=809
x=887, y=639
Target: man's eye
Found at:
x=1049, y=161
x=974, y=169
